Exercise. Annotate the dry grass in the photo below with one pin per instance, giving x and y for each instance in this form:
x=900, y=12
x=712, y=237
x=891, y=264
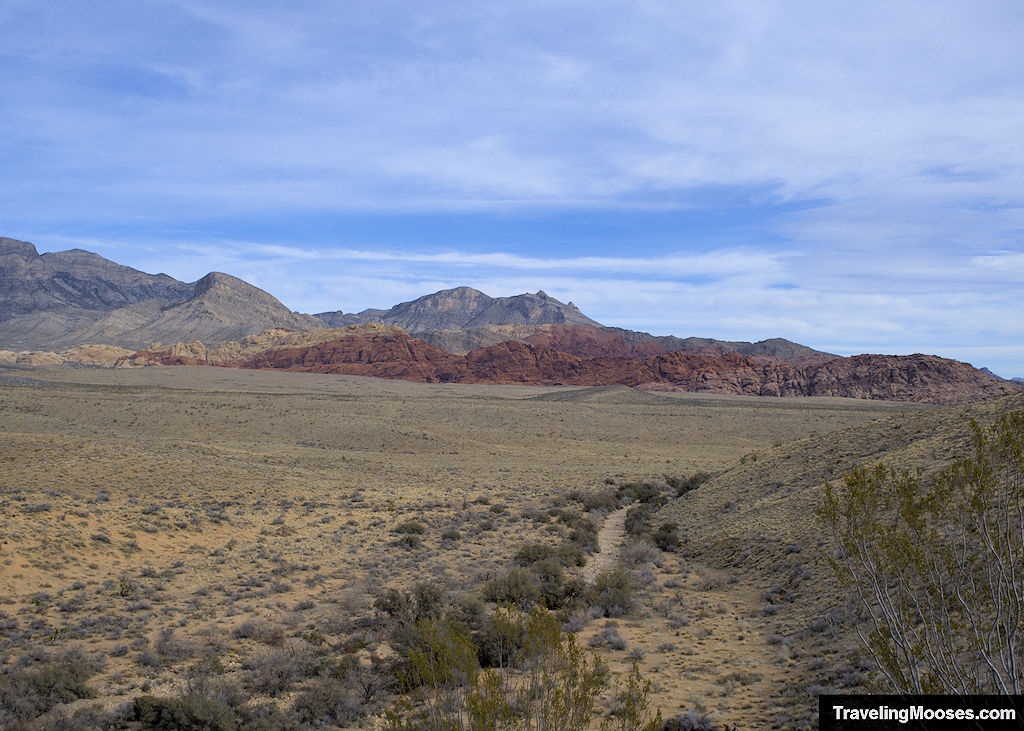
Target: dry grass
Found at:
x=167, y=517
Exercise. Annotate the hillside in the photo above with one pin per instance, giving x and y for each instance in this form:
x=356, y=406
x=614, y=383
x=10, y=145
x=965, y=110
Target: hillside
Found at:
x=756, y=525
x=55, y=301
x=33, y=282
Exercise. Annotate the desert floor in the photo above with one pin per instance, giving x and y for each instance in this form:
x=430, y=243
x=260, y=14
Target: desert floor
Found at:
x=154, y=516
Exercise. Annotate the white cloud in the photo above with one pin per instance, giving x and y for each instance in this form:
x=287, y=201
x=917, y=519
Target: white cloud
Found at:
x=870, y=153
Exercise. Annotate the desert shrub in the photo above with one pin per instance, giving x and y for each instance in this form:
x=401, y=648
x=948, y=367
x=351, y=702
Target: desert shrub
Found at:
x=638, y=553
x=694, y=719
x=423, y=603
x=570, y=554
x=570, y=518
x=683, y=485
x=631, y=706
x=518, y=586
x=410, y=527
x=638, y=519
x=921, y=556
x=641, y=492
x=614, y=592
x=90, y=718
x=528, y=553
x=40, y=681
x=555, y=589
x=394, y=603
x=608, y=636
x=409, y=541
x=556, y=683
x=260, y=630
x=171, y=647
x=274, y=670
x=501, y=639
x=468, y=612
x=452, y=535
x=427, y=598
x=184, y=713
x=596, y=500
x=584, y=535
x=328, y=701
x=666, y=537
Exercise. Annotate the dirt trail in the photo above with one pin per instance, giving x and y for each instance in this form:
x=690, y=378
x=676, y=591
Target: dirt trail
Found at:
x=704, y=642
x=609, y=542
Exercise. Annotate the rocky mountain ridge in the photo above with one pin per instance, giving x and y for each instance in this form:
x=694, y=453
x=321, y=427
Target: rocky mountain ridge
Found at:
x=33, y=282
x=465, y=308
x=56, y=301
x=53, y=305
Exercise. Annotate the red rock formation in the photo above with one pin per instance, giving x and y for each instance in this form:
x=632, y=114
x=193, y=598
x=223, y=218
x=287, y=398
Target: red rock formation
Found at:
x=589, y=342
x=392, y=353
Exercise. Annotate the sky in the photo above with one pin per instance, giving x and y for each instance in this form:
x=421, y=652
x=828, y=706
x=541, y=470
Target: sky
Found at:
x=847, y=175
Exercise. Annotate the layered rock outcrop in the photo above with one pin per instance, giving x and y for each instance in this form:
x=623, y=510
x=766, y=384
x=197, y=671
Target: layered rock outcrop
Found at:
x=388, y=352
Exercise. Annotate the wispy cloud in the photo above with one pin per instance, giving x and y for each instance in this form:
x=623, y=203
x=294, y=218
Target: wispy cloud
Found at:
x=855, y=172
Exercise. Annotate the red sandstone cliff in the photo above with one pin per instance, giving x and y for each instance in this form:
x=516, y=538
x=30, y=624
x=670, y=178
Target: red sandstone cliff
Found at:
x=391, y=353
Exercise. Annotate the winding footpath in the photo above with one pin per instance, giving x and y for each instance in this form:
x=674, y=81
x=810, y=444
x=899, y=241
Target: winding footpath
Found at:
x=609, y=542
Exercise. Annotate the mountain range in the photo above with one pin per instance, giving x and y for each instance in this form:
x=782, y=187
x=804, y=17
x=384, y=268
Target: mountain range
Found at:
x=65, y=300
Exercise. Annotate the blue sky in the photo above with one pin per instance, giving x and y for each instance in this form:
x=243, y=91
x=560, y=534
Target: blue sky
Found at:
x=846, y=175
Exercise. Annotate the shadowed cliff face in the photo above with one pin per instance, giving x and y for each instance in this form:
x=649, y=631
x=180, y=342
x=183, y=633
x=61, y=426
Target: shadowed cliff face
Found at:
x=391, y=353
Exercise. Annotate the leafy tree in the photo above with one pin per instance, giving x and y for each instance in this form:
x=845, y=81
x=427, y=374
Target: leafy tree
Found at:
x=937, y=564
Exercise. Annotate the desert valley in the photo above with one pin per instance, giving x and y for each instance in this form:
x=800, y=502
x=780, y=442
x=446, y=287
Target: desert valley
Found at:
x=219, y=513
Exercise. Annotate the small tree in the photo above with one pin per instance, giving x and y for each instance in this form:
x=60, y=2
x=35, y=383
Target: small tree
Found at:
x=938, y=566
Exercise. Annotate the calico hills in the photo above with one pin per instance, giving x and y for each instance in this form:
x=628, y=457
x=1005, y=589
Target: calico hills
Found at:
x=78, y=307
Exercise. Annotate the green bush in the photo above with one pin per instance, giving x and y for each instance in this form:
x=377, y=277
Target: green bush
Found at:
x=638, y=519
x=186, y=713
x=935, y=564
x=518, y=586
x=667, y=537
x=641, y=492
x=614, y=592
x=36, y=685
x=529, y=553
x=683, y=485
x=410, y=527
x=547, y=682
x=328, y=701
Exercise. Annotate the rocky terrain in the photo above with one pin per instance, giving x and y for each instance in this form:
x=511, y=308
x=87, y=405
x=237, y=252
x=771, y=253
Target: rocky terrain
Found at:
x=77, y=279
x=466, y=308
x=52, y=302
x=464, y=319
x=388, y=352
